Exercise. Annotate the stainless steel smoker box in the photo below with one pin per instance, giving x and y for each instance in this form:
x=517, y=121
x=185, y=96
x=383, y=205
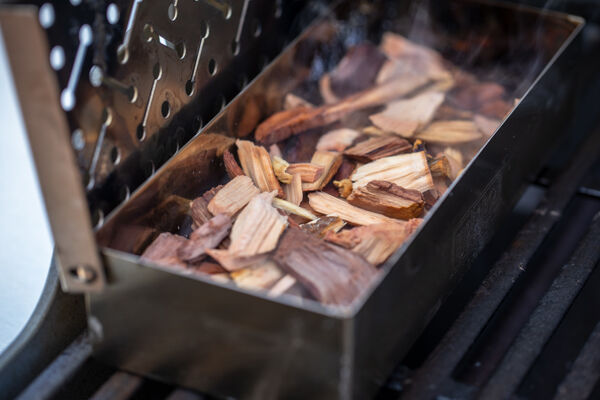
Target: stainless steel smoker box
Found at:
x=217, y=338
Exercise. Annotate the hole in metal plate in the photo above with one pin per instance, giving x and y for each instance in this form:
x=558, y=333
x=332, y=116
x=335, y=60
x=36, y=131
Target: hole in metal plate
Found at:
x=115, y=155
x=57, y=58
x=112, y=14
x=157, y=71
x=124, y=193
x=181, y=50
x=189, y=87
x=212, y=66
x=46, y=15
x=77, y=139
x=165, y=109
x=235, y=48
x=256, y=28
x=172, y=12
x=140, y=132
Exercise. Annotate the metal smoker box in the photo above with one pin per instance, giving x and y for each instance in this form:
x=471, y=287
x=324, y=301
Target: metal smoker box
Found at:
x=215, y=337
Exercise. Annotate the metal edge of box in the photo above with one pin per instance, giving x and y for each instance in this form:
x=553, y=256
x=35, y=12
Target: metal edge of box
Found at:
x=494, y=180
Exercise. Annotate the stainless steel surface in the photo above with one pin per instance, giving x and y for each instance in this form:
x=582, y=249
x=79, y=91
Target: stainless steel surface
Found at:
x=214, y=337
x=47, y=130
x=138, y=78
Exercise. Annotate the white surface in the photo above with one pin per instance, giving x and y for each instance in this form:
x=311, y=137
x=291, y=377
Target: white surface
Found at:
x=25, y=240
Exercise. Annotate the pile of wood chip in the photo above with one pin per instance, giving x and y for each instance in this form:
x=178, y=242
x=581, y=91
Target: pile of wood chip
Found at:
x=396, y=125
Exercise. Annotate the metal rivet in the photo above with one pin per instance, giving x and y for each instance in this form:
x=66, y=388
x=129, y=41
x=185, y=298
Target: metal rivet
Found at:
x=83, y=273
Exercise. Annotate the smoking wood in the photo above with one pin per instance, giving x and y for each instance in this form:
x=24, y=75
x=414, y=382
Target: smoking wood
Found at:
x=323, y=225
x=337, y=140
x=293, y=209
x=256, y=164
x=293, y=190
x=279, y=167
x=331, y=274
x=388, y=199
x=330, y=162
x=410, y=171
x=450, y=132
x=404, y=117
x=231, y=166
x=327, y=204
x=260, y=276
x=378, y=147
x=163, y=250
x=286, y=123
x=308, y=173
x=233, y=196
x=208, y=236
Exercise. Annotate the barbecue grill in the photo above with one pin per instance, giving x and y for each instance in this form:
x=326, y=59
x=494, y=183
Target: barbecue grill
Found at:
x=149, y=87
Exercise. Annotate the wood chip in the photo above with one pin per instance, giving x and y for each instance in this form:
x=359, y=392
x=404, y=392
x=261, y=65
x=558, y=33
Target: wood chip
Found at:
x=322, y=225
x=274, y=150
x=207, y=267
x=199, y=211
x=410, y=171
x=208, y=236
x=293, y=209
x=279, y=167
x=282, y=286
x=199, y=207
x=293, y=190
x=376, y=243
x=331, y=274
x=163, y=250
x=293, y=101
x=326, y=92
x=431, y=197
x=472, y=96
x=450, y=132
x=233, y=196
x=337, y=140
x=440, y=167
x=330, y=162
x=258, y=227
x=456, y=161
x=286, y=123
x=404, y=117
x=346, y=169
x=388, y=199
x=260, y=276
x=408, y=59
x=357, y=70
x=231, y=166
x=256, y=164
x=447, y=112
x=344, y=187
x=487, y=126
x=234, y=261
x=378, y=147
x=308, y=172
x=326, y=204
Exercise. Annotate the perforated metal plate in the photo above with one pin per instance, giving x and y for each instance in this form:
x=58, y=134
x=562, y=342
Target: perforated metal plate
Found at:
x=139, y=78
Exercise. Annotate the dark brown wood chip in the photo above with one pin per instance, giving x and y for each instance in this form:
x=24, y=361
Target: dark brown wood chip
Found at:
x=333, y=275
x=378, y=147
